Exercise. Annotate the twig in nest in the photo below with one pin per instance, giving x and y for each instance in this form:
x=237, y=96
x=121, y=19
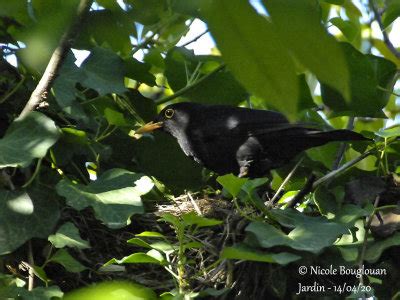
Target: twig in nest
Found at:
x=196, y=207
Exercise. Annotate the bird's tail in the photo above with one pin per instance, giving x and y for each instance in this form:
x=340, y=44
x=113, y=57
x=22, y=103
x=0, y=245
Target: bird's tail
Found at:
x=336, y=135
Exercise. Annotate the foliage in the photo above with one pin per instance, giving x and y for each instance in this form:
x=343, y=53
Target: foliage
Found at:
x=76, y=184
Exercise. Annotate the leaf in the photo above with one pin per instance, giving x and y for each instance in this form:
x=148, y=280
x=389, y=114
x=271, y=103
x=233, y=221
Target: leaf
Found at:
x=232, y=183
x=65, y=259
x=367, y=73
x=151, y=234
x=113, y=290
x=375, y=250
x=68, y=236
x=253, y=52
x=135, y=258
x=299, y=25
x=104, y=72
x=243, y=252
x=24, y=215
x=64, y=85
x=139, y=71
x=389, y=132
x=220, y=87
x=139, y=242
x=40, y=273
x=114, y=196
x=115, y=117
x=111, y=28
x=39, y=293
x=348, y=28
x=147, y=12
x=192, y=218
x=392, y=12
x=27, y=139
x=310, y=234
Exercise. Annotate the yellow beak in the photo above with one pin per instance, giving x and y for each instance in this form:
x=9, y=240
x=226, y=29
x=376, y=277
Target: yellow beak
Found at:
x=149, y=127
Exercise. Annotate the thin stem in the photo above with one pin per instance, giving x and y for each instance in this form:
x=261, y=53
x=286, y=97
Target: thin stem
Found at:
x=31, y=276
x=384, y=33
x=35, y=173
x=190, y=86
x=195, y=38
x=389, y=91
x=12, y=92
x=106, y=134
x=275, y=197
x=364, y=244
x=344, y=167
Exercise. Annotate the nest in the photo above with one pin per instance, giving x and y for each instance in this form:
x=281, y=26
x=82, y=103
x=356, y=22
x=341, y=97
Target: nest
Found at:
x=203, y=268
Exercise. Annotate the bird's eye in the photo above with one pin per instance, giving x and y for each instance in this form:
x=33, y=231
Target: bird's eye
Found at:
x=169, y=113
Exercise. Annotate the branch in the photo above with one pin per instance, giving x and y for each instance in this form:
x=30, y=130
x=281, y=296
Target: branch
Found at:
x=343, y=167
x=194, y=39
x=384, y=33
x=189, y=87
x=57, y=59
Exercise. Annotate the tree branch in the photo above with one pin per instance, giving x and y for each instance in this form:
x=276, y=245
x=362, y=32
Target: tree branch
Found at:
x=57, y=59
x=384, y=34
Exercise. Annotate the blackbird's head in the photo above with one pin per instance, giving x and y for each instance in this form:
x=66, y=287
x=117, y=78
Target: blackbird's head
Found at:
x=173, y=119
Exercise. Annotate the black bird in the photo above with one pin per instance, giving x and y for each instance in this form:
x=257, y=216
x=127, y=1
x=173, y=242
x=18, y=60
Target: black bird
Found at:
x=242, y=141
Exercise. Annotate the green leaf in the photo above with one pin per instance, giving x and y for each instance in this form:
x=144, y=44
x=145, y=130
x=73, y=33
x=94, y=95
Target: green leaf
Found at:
x=147, y=12
x=135, y=258
x=39, y=293
x=243, y=252
x=375, y=250
x=65, y=259
x=110, y=28
x=113, y=290
x=114, y=196
x=232, y=183
x=64, y=85
x=139, y=242
x=348, y=28
x=150, y=234
x=367, y=74
x=104, y=72
x=299, y=25
x=220, y=87
x=392, y=12
x=389, y=132
x=253, y=52
x=41, y=274
x=115, y=117
x=306, y=100
x=27, y=139
x=139, y=71
x=192, y=218
x=186, y=7
x=68, y=236
x=310, y=234
x=24, y=215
